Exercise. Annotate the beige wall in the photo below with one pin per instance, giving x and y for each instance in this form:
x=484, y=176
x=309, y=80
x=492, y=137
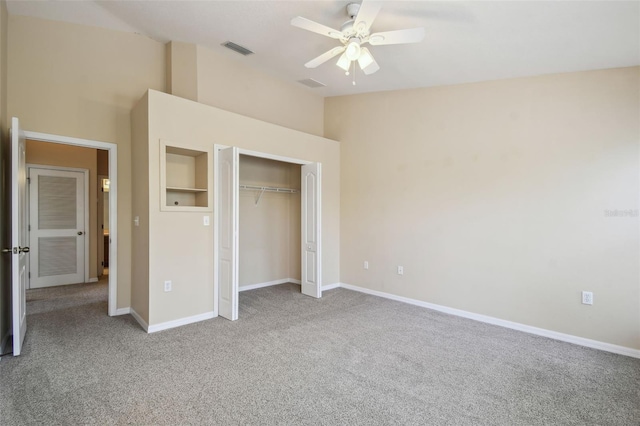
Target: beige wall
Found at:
x=5, y=237
x=269, y=231
x=81, y=81
x=51, y=154
x=224, y=81
x=140, y=205
x=493, y=196
x=180, y=247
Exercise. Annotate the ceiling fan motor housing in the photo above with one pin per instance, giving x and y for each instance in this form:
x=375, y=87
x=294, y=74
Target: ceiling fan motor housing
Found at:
x=353, y=9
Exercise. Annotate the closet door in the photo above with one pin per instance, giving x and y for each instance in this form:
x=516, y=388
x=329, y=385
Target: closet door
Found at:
x=311, y=241
x=227, y=238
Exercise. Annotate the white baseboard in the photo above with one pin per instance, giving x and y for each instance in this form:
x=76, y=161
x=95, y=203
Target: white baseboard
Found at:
x=283, y=281
x=138, y=318
x=122, y=311
x=331, y=286
x=179, y=322
x=93, y=280
x=268, y=284
x=608, y=347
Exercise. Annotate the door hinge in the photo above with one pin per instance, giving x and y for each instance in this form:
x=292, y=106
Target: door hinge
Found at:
x=29, y=274
x=28, y=181
x=102, y=263
x=29, y=228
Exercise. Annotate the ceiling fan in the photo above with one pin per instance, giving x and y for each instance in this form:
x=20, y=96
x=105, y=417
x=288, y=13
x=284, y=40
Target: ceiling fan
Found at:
x=354, y=34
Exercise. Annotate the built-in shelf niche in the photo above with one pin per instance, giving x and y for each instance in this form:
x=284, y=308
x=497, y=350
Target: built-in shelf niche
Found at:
x=184, y=178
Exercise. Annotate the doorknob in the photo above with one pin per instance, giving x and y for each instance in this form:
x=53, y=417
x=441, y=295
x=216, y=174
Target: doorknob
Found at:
x=24, y=249
x=80, y=232
x=7, y=250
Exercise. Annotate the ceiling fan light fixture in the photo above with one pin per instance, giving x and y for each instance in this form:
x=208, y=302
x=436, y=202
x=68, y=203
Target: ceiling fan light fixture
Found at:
x=365, y=58
x=353, y=49
x=344, y=62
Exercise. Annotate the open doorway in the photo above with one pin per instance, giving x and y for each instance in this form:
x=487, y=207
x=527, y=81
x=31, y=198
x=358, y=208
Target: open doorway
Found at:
x=54, y=160
x=227, y=261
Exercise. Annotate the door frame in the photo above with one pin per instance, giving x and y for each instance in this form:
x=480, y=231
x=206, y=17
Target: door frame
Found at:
x=216, y=207
x=112, y=149
x=85, y=173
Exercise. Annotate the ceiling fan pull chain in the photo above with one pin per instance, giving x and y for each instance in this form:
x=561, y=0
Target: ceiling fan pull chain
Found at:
x=354, y=72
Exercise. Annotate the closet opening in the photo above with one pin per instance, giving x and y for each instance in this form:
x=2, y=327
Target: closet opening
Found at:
x=267, y=219
x=269, y=227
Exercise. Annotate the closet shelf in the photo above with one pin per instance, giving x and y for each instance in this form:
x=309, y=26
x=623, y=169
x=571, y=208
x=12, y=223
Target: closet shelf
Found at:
x=178, y=189
x=264, y=189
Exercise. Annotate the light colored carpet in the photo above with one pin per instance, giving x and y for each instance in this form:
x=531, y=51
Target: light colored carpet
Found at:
x=348, y=358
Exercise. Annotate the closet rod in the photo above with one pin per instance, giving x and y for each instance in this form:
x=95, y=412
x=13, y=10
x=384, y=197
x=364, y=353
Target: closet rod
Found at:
x=262, y=190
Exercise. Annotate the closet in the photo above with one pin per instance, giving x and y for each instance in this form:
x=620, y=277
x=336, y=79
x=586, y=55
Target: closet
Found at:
x=269, y=222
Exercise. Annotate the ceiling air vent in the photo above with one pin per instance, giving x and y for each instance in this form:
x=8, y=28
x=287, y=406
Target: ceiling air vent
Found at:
x=309, y=82
x=237, y=48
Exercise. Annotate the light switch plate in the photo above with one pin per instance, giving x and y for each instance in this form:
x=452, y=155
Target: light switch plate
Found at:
x=205, y=220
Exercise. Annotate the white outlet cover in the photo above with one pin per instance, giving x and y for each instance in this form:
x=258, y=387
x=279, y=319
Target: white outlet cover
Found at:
x=400, y=270
x=167, y=286
x=205, y=220
x=587, y=298
x=366, y=264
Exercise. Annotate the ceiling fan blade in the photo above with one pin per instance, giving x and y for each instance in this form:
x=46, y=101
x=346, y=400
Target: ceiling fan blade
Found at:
x=309, y=25
x=414, y=35
x=366, y=15
x=367, y=63
x=325, y=57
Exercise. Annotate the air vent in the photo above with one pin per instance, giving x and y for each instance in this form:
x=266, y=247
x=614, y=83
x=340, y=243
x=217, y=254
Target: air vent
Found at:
x=309, y=82
x=237, y=48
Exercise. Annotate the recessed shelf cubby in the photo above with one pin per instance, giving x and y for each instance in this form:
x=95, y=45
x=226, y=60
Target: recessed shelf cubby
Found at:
x=184, y=175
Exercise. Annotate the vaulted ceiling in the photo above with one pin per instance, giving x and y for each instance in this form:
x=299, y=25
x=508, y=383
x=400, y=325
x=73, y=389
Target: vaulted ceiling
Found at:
x=465, y=41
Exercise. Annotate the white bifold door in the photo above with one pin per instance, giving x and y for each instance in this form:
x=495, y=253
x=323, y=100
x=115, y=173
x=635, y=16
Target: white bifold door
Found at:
x=57, y=220
x=226, y=274
x=19, y=239
x=311, y=241
x=227, y=218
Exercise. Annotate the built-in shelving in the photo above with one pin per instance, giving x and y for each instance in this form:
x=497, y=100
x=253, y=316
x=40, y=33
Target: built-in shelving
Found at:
x=184, y=178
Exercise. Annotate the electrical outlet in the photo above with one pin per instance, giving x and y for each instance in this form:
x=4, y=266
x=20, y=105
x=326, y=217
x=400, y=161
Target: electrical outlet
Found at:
x=400, y=270
x=587, y=298
x=366, y=264
x=167, y=286
x=205, y=220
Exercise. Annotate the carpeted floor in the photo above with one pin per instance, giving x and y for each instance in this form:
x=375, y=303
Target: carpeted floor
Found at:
x=348, y=358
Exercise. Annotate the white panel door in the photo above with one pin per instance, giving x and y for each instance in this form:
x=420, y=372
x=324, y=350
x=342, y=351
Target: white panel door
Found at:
x=18, y=236
x=311, y=232
x=227, y=264
x=57, y=222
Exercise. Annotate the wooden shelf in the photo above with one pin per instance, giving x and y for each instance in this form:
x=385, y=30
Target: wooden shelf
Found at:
x=176, y=189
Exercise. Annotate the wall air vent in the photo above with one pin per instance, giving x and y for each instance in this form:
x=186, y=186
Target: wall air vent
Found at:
x=237, y=48
x=309, y=82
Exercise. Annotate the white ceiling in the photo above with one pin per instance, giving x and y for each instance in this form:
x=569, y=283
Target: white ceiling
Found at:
x=465, y=41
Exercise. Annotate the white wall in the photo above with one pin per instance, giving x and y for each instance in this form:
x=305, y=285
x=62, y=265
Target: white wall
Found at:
x=494, y=198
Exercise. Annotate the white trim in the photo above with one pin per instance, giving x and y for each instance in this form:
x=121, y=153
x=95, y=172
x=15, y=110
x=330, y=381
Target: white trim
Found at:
x=112, y=148
x=179, y=322
x=281, y=158
x=331, y=286
x=138, y=318
x=123, y=311
x=595, y=344
x=93, y=280
x=268, y=284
